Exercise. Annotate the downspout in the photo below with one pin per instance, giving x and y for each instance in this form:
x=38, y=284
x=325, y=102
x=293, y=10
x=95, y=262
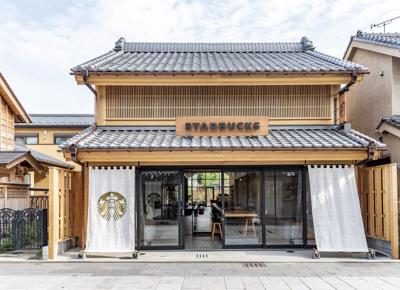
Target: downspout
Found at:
x=85, y=77
x=73, y=149
x=343, y=90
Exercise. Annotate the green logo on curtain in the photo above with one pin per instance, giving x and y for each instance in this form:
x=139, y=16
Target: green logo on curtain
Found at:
x=111, y=204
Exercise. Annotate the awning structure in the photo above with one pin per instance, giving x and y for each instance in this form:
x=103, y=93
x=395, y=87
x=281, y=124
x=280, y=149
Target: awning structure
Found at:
x=336, y=209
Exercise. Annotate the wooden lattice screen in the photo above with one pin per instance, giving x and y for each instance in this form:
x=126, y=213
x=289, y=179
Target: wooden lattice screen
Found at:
x=378, y=200
x=168, y=102
x=7, y=127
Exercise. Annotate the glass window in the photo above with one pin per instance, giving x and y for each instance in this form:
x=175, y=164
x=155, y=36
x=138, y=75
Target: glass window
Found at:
x=283, y=208
x=243, y=208
x=59, y=139
x=26, y=139
x=159, y=213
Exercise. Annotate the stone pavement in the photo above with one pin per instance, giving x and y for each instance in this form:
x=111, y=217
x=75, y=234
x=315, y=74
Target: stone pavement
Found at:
x=214, y=276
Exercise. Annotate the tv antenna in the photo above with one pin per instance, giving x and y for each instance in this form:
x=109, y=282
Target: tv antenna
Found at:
x=384, y=23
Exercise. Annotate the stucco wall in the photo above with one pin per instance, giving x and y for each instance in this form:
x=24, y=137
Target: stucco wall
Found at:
x=396, y=86
x=368, y=101
x=393, y=144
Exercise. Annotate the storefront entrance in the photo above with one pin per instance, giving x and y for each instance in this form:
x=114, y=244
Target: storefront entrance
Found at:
x=218, y=208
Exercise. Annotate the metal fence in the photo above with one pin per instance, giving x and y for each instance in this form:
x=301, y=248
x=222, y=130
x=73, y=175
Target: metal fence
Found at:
x=23, y=229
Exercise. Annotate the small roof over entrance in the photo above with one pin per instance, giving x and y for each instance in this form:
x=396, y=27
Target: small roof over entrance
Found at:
x=9, y=159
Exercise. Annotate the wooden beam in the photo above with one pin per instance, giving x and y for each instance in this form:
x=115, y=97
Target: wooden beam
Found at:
x=171, y=122
x=393, y=202
x=223, y=157
x=208, y=80
x=85, y=170
x=53, y=218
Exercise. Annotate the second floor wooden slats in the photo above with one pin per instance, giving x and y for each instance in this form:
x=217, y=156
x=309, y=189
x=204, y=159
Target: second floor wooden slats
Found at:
x=168, y=102
x=6, y=126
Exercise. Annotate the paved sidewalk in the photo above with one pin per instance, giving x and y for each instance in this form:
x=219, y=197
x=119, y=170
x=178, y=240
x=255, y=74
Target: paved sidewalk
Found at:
x=199, y=276
x=226, y=256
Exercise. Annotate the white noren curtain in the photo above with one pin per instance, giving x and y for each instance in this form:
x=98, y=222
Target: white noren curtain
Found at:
x=336, y=209
x=111, y=212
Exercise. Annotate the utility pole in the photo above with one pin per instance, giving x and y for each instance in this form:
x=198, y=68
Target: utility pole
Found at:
x=383, y=24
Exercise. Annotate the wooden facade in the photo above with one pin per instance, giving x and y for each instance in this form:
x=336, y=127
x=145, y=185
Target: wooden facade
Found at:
x=148, y=100
x=379, y=203
x=169, y=102
x=7, y=118
x=283, y=104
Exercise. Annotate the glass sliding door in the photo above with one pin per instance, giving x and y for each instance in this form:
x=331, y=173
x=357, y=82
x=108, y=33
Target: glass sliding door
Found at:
x=242, y=213
x=159, y=213
x=283, y=208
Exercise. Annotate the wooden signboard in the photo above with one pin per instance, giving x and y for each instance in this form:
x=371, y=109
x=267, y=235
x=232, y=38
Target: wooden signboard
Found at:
x=222, y=126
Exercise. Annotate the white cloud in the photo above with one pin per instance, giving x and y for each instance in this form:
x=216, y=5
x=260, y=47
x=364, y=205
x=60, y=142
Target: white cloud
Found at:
x=38, y=49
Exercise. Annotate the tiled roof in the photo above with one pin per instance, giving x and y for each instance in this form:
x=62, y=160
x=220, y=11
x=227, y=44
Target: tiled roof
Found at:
x=8, y=156
x=164, y=138
x=392, y=120
x=216, y=58
x=59, y=120
x=384, y=39
x=43, y=158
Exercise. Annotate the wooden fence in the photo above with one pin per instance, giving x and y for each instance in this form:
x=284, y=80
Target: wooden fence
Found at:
x=379, y=203
x=14, y=195
x=64, y=192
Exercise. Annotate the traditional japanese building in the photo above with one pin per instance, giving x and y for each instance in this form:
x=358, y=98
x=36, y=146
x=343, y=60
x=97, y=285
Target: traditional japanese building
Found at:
x=46, y=131
x=214, y=145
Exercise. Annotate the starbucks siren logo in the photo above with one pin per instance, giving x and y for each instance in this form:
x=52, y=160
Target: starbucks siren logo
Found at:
x=111, y=204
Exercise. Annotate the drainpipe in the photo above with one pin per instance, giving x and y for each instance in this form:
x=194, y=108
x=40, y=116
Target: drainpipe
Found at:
x=85, y=77
x=342, y=91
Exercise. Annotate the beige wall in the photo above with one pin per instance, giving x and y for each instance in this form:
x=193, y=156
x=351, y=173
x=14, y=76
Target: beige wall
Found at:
x=46, y=141
x=393, y=145
x=396, y=86
x=370, y=100
x=46, y=135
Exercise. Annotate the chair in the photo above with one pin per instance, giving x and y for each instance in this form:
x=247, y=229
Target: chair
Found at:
x=216, y=221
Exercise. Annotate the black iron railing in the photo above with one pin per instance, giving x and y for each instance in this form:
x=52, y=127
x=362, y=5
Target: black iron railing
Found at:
x=23, y=229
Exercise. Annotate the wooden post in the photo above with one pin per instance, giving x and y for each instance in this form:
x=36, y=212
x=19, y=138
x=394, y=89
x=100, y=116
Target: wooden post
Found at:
x=53, y=217
x=85, y=195
x=393, y=201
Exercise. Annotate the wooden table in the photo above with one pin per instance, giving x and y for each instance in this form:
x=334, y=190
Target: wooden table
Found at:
x=248, y=215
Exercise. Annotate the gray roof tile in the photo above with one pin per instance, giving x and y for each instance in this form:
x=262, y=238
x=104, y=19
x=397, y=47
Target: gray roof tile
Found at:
x=392, y=120
x=8, y=156
x=59, y=120
x=43, y=158
x=215, y=58
x=383, y=39
x=162, y=138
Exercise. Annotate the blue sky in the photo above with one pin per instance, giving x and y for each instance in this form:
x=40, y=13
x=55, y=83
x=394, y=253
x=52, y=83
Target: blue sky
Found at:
x=41, y=40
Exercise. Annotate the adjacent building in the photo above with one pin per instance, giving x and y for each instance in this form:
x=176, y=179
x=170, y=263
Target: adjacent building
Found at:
x=41, y=186
x=373, y=106
x=211, y=144
x=46, y=132
x=19, y=164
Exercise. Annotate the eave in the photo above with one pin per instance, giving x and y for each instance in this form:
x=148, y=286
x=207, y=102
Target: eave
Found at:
x=365, y=45
x=12, y=101
x=327, y=78
x=218, y=157
x=27, y=157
